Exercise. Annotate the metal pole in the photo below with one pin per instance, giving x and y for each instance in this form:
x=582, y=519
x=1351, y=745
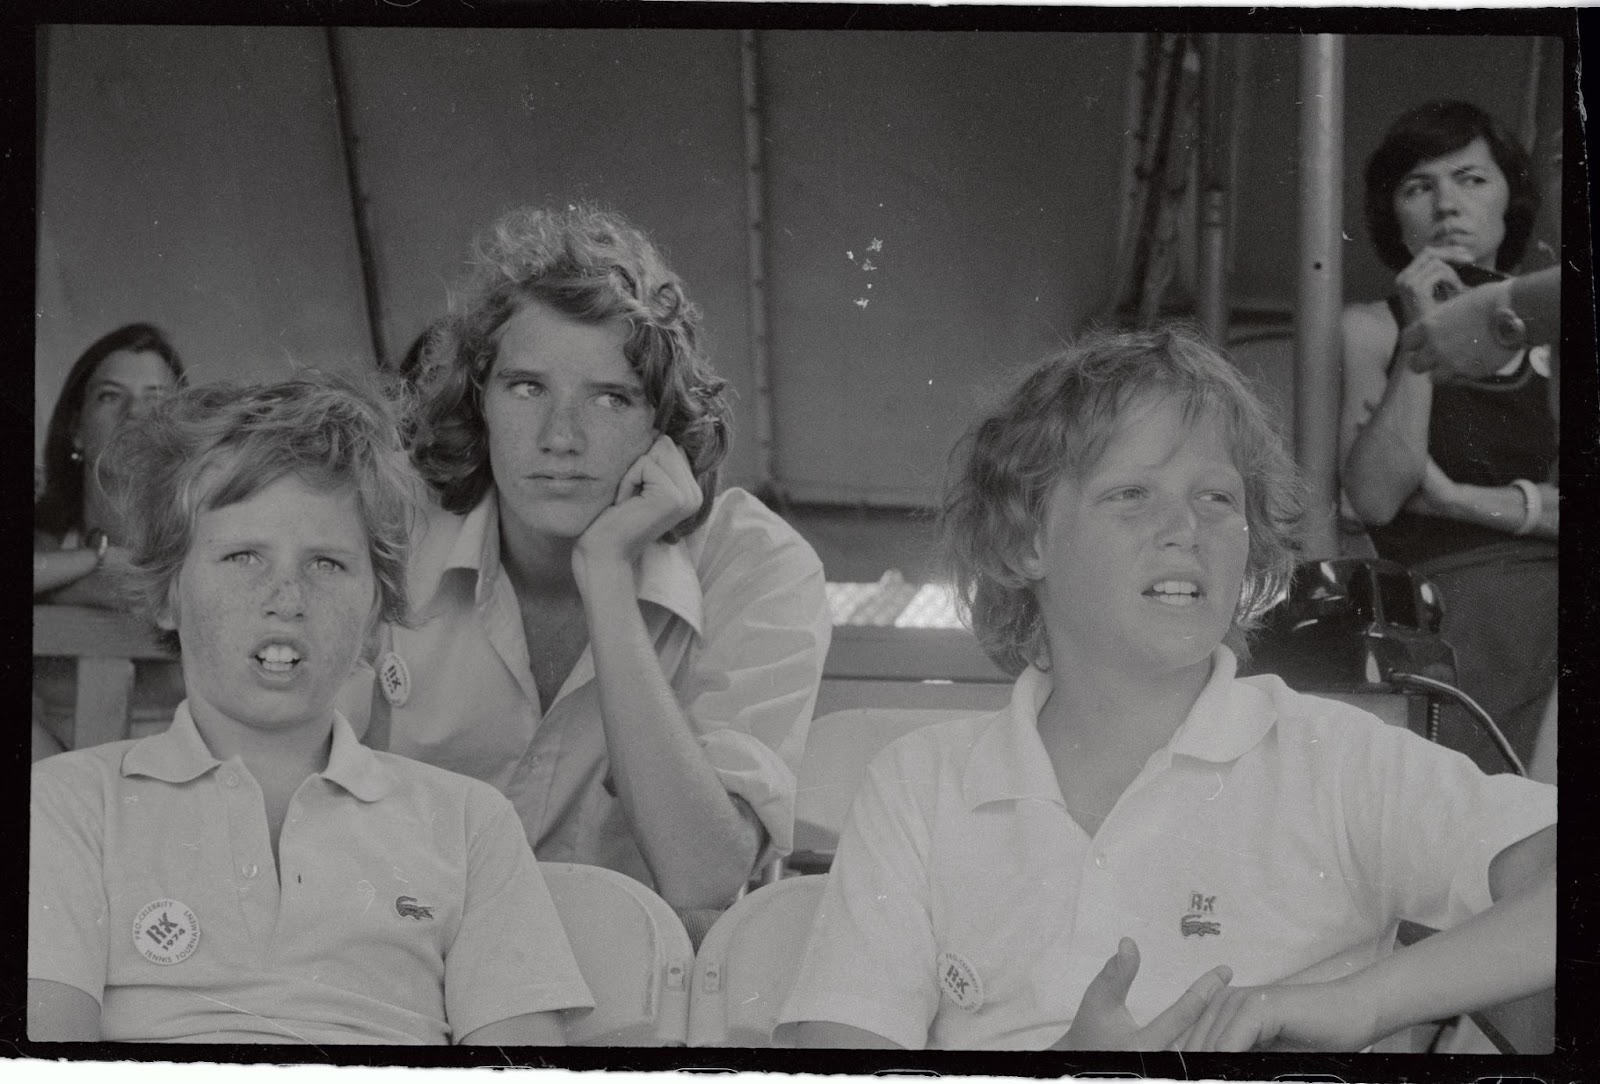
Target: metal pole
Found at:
x=1317, y=332
x=756, y=258
x=358, y=200
x=1213, y=196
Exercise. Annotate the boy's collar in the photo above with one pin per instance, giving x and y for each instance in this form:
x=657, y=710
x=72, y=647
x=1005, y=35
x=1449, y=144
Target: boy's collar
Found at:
x=179, y=754
x=1008, y=759
x=665, y=574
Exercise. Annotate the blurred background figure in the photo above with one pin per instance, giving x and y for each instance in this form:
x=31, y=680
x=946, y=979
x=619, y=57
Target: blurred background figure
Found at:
x=76, y=549
x=1457, y=479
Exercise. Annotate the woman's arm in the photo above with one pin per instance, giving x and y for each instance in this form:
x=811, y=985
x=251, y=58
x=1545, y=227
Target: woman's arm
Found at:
x=1503, y=508
x=80, y=577
x=1383, y=430
x=54, y=569
x=58, y=1013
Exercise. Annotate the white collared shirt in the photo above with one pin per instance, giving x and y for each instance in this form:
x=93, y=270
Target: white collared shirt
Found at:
x=405, y=907
x=966, y=909
x=739, y=616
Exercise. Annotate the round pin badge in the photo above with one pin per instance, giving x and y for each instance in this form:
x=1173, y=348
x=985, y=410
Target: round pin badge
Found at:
x=394, y=679
x=960, y=982
x=166, y=932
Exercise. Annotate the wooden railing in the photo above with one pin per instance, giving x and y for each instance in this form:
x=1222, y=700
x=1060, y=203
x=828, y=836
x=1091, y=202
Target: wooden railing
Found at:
x=106, y=644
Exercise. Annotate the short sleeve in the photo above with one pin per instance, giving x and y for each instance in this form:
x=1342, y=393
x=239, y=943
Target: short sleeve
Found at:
x=870, y=959
x=754, y=680
x=1424, y=822
x=68, y=910
x=510, y=955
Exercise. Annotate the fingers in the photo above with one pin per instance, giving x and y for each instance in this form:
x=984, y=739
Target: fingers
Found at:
x=1109, y=989
x=1245, y=1028
x=666, y=454
x=1198, y=1035
x=1427, y=280
x=1179, y=1017
x=632, y=480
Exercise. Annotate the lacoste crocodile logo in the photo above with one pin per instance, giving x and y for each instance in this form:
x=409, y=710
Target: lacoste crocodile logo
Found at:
x=408, y=907
x=1201, y=919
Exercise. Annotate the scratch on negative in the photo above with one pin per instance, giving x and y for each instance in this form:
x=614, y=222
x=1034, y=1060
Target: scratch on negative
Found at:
x=258, y=1016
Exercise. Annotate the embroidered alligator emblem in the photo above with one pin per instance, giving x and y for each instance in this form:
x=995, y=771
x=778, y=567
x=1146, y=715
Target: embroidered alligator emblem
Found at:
x=1195, y=926
x=408, y=907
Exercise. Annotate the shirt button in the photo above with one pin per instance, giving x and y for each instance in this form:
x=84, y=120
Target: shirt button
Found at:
x=250, y=870
x=1100, y=860
x=229, y=779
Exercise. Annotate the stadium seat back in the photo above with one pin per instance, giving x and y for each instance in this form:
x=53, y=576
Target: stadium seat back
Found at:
x=633, y=953
x=748, y=962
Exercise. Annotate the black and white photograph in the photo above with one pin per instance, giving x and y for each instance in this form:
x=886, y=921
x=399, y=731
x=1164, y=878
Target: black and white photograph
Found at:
x=981, y=540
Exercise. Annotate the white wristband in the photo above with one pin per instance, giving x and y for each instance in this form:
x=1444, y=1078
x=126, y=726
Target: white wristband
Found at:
x=1532, y=506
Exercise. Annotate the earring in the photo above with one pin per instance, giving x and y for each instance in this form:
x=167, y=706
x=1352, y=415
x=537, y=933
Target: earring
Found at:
x=77, y=455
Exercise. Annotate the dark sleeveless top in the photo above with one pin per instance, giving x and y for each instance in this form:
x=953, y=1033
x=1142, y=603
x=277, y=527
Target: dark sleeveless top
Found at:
x=1485, y=432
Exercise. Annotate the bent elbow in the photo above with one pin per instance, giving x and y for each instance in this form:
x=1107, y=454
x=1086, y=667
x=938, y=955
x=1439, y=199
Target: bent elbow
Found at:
x=1372, y=511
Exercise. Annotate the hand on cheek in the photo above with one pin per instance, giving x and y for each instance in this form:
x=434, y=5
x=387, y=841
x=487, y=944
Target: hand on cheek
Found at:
x=656, y=493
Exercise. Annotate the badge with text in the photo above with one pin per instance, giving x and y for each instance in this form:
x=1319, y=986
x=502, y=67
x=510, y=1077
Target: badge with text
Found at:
x=1201, y=919
x=166, y=932
x=959, y=981
x=394, y=679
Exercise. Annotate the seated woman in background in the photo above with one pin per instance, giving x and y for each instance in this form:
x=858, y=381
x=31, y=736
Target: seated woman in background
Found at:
x=74, y=535
x=1119, y=520
x=628, y=655
x=76, y=543
x=1456, y=478
x=254, y=873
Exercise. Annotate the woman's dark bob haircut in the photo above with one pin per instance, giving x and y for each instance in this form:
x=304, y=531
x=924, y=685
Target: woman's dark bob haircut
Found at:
x=1058, y=421
x=590, y=265
x=60, y=506
x=1433, y=130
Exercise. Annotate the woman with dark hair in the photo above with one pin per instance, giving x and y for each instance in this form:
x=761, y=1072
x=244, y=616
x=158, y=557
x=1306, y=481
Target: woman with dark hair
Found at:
x=629, y=655
x=76, y=548
x=1456, y=478
x=118, y=377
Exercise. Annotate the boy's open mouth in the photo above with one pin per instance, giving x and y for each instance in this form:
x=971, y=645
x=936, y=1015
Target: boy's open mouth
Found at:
x=1175, y=592
x=278, y=658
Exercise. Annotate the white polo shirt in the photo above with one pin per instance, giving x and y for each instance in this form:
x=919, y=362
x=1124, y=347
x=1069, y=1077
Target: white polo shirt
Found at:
x=966, y=909
x=408, y=908
x=739, y=616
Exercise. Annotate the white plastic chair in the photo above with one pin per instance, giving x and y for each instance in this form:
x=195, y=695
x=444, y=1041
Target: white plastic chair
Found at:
x=633, y=953
x=747, y=964
x=838, y=749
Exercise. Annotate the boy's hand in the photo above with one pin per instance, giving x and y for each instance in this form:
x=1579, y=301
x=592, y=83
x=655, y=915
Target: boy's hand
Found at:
x=656, y=493
x=1103, y=1022
x=1312, y=1016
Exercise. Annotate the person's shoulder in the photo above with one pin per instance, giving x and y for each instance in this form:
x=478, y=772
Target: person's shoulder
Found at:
x=80, y=772
x=1321, y=723
x=420, y=782
x=937, y=748
x=742, y=526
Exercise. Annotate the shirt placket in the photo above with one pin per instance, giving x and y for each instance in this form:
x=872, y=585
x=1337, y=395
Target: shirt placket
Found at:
x=251, y=874
x=1101, y=917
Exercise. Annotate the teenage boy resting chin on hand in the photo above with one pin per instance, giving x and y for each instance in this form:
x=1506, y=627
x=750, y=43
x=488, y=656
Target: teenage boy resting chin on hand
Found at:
x=254, y=874
x=628, y=655
x=1145, y=851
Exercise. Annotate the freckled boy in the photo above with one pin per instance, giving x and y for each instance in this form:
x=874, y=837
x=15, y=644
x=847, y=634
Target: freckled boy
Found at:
x=254, y=874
